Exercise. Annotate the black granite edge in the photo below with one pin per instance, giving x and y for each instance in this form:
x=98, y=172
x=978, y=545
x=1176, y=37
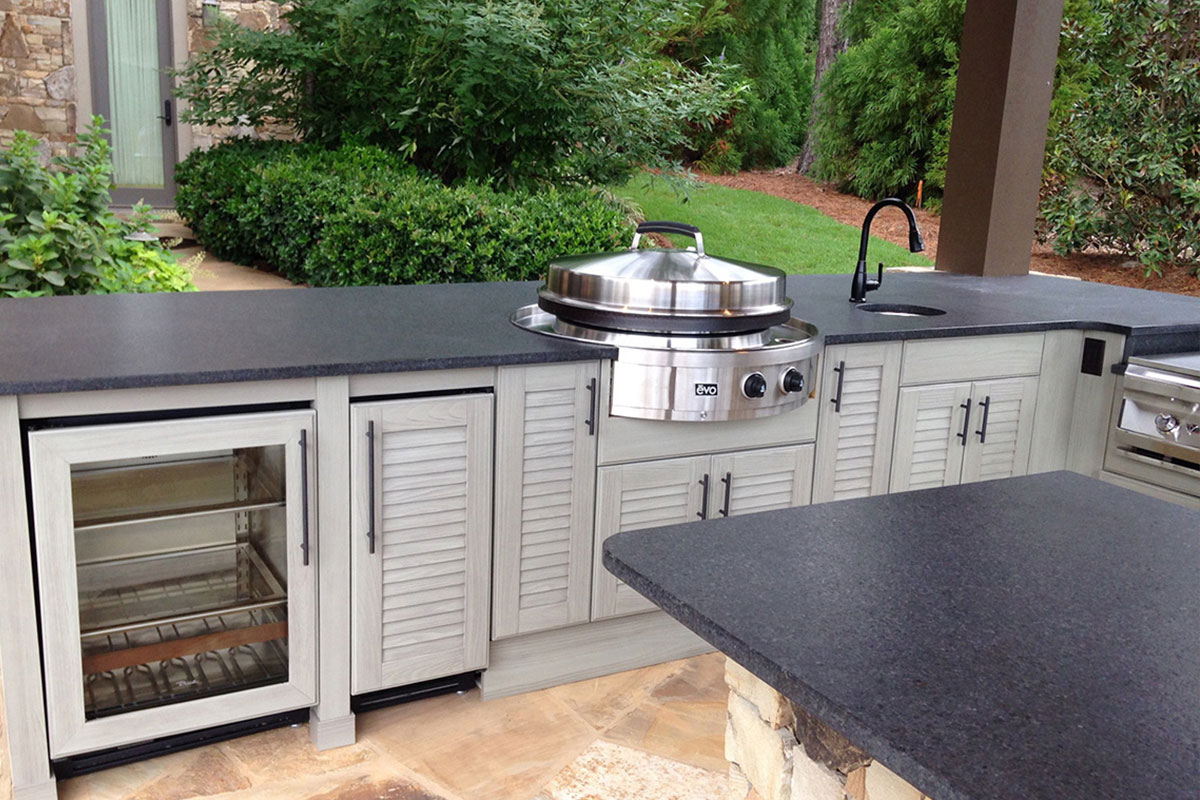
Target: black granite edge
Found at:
x=790, y=686
x=582, y=352
x=1178, y=337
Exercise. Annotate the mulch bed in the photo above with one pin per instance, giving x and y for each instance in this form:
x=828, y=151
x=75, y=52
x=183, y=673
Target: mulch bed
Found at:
x=850, y=210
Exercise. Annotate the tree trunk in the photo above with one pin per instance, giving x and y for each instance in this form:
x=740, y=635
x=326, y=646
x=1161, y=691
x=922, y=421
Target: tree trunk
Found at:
x=830, y=44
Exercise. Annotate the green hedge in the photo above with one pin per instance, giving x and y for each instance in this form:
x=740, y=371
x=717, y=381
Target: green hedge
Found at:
x=360, y=215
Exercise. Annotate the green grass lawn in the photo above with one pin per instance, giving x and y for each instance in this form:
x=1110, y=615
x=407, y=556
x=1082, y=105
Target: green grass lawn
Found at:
x=763, y=229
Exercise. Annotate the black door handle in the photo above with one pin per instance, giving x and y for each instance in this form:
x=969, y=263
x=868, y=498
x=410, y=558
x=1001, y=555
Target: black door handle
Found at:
x=840, y=369
x=371, y=486
x=592, y=398
x=304, y=494
x=728, y=481
x=167, y=117
x=966, y=407
x=986, y=403
x=703, y=513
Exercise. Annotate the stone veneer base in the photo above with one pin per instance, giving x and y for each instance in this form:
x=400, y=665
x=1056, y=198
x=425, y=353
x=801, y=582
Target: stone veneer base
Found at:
x=783, y=753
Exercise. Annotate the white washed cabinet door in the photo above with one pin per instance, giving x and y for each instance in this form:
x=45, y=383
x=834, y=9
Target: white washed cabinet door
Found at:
x=421, y=526
x=546, y=420
x=634, y=496
x=932, y=434
x=1001, y=429
x=859, y=386
x=762, y=480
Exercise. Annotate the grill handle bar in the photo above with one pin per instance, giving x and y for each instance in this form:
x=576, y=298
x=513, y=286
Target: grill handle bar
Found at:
x=666, y=226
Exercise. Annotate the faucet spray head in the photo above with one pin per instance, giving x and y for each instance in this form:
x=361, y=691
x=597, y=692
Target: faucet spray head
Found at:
x=915, y=243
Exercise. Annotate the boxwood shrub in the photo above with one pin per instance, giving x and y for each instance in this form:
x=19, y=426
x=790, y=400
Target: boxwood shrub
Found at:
x=359, y=215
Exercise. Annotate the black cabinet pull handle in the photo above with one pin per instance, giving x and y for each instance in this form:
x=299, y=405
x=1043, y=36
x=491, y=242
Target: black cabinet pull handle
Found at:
x=703, y=513
x=840, y=369
x=304, y=494
x=986, y=403
x=591, y=418
x=728, y=481
x=371, y=486
x=966, y=407
x=167, y=117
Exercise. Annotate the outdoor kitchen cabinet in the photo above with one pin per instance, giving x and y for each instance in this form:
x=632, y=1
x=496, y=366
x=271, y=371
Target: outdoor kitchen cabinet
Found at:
x=676, y=490
x=962, y=432
x=856, y=418
x=177, y=572
x=420, y=523
x=545, y=496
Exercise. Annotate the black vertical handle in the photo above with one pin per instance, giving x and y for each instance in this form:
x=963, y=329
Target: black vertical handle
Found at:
x=966, y=407
x=986, y=403
x=703, y=513
x=728, y=481
x=167, y=116
x=371, y=486
x=840, y=369
x=304, y=493
x=591, y=418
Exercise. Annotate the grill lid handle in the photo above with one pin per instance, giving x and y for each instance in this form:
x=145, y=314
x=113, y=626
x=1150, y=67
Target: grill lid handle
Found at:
x=665, y=226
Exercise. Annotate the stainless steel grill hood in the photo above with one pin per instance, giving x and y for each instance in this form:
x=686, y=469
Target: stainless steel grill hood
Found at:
x=665, y=291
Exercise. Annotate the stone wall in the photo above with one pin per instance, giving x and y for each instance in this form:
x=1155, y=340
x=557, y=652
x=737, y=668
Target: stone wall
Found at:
x=37, y=78
x=37, y=73
x=781, y=752
x=255, y=14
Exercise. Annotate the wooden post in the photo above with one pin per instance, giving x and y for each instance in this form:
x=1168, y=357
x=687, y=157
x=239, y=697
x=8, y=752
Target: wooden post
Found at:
x=998, y=140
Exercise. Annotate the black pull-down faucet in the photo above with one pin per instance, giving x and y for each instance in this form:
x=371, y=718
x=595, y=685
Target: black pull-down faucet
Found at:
x=862, y=284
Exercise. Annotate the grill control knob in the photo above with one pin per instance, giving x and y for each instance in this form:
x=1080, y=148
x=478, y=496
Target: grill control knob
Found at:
x=1166, y=422
x=792, y=381
x=755, y=386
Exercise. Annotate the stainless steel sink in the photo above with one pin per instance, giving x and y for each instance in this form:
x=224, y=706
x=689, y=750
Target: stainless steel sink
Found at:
x=900, y=310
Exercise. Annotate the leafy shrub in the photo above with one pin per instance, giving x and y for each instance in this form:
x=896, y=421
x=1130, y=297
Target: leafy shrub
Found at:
x=771, y=42
x=886, y=103
x=360, y=215
x=722, y=158
x=516, y=91
x=57, y=234
x=1123, y=161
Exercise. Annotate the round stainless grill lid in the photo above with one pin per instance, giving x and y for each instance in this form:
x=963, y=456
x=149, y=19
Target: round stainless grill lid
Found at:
x=665, y=291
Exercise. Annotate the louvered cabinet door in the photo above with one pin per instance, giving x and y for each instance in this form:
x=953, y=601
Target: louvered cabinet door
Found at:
x=931, y=436
x=1001, y=429
x=635, y=496
x=859, y=386
x=421, y=525
x=545, y=497
x=762, y=480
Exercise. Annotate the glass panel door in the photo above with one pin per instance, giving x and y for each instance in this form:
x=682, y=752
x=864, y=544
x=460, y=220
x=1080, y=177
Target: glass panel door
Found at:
x=131, y=55
x=182, y=576
x=174, y=570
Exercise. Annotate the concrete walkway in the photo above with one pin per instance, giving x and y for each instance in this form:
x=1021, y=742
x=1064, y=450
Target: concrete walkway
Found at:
x=213, y=274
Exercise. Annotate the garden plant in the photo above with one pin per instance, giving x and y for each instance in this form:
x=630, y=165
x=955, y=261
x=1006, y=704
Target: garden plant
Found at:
x=58, y=235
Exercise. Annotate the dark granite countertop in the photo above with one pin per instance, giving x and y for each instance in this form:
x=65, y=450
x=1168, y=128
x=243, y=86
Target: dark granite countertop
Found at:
x=117, y=341
x=1035, y=637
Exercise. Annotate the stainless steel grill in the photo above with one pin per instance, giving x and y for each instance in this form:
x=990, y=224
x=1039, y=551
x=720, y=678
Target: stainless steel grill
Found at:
x=699, y=339
x=1156, y=436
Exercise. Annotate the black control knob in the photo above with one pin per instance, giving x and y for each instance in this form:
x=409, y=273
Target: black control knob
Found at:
x=755, y=386
x=793, y=381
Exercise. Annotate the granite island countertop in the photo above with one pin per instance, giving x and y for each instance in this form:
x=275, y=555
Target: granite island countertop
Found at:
x=1035, y=637
x=58, y=344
